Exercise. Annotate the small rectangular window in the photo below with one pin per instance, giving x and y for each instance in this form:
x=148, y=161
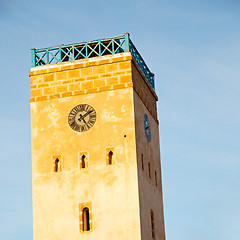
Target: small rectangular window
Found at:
x=142, y=161
x=83, y=160
x=152, y=224
x=149, y=170
x=57, y=163
x=155, y=178
x=109, y=156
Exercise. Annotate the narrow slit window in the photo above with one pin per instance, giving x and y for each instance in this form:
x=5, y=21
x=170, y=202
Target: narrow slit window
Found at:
x=57, y=165
x=155, y=178
x=149, y=170
x=83, y=163
x=142, y=161
x=85, y=219
x=152, y=224
x=110, y=158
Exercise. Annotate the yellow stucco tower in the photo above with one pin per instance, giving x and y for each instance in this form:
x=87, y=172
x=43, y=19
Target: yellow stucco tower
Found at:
x=96, y=171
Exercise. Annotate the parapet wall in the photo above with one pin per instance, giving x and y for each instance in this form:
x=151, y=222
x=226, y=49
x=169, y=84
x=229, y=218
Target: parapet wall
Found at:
x=81, y=77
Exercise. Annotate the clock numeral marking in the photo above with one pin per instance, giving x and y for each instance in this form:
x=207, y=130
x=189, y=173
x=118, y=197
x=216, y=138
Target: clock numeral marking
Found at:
x=92, y=115
x=74, y=126
x=70, y=117
x=86, y=108
x=70, y=121
x=76, y=109
x=92, y=121
x=82, y=107
x=89, y=125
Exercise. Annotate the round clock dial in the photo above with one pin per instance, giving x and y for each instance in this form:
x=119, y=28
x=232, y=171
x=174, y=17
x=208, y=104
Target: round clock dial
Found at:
x=82, y=117
x=147, y=128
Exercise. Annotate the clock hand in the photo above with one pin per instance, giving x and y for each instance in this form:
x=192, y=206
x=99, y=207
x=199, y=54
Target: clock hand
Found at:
x=84, y=115
x=81, y=118
x=87, y=113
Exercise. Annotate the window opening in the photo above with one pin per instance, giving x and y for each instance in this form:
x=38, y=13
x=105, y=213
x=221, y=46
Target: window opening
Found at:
x=149, y=170
x=57, y=165
x=142, y=161
x=83, y=164
x=152, y=224
x=155, y=178
x=85, y=219
x=110, y=156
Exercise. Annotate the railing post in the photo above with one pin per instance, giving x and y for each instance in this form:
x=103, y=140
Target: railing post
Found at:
x=73, y=50
x=33, y=56
x=126, y=38
x=100, y=49
x=60, y=53
x=86, y=46
x=47, y=57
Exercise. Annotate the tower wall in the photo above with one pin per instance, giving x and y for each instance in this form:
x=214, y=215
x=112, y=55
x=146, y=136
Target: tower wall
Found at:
x=119, y=196
x=110, y=191
x=150, y=186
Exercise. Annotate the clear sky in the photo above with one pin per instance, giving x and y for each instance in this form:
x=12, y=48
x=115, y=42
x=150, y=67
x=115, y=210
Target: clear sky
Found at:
x=193, y=47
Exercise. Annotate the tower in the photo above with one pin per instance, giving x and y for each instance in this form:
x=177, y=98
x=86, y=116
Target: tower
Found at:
x=96, y=170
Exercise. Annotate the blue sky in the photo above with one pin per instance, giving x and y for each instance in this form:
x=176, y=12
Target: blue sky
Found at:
x=193, y=47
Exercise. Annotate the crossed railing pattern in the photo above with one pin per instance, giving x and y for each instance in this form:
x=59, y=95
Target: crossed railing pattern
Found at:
x=85, y=50
x=143, y=66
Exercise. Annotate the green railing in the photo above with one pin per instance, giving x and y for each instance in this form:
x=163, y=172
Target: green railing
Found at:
x=85, y=50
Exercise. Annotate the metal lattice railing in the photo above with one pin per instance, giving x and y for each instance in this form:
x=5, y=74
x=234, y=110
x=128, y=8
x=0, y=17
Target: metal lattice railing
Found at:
x=143, y=66
x=85, y=50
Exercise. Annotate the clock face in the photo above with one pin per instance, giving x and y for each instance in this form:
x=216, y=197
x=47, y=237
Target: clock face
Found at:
x=82, y=117
x=147, y=128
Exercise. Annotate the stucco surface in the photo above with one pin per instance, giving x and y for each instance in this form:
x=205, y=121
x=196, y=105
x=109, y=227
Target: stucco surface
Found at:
x=112, y=190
